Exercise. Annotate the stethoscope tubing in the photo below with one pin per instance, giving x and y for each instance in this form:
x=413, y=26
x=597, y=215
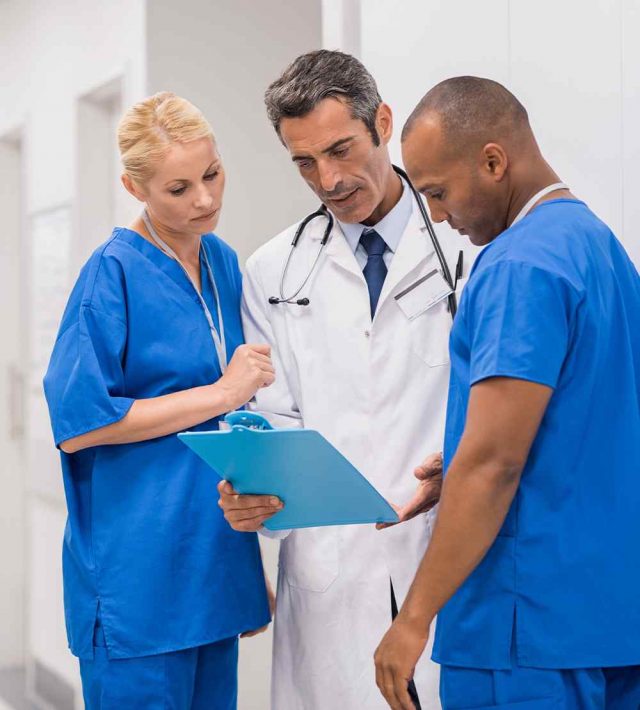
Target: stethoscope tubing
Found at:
x=322, y=211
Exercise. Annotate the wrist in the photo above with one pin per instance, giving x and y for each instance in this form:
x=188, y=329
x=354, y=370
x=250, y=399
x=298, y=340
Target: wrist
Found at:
x=224, y=397
x=419, y=619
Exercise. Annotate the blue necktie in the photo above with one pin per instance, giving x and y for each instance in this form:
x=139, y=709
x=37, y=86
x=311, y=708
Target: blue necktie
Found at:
x=375, y=270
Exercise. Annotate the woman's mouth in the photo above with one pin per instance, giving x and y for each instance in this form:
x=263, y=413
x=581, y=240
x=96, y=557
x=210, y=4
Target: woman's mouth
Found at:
x=205, y=217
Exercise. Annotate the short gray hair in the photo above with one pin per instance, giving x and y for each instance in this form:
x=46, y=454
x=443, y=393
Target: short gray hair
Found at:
x=318, y=75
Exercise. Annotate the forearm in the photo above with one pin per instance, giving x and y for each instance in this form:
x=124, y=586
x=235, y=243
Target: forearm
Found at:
x=158, y=416
x=476, y=497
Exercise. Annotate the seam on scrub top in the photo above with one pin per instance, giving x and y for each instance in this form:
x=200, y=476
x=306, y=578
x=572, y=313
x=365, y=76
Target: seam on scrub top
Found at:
x=99, y=266
x=90, y=307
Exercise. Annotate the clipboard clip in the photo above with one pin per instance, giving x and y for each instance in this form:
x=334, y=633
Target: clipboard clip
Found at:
x=247, y=420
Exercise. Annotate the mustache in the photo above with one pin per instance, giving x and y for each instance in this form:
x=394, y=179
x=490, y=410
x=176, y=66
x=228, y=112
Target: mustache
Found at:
x=340, y=191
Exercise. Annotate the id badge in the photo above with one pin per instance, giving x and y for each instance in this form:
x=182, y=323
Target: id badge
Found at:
x=423, y=294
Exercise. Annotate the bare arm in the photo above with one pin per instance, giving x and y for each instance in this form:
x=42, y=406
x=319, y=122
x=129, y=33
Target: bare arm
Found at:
x=502, y=421
x=249, y=369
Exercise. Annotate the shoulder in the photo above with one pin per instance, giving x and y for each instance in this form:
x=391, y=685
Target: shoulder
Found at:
x=105, y=270
x=219, y=248
x=271, y=255
x=99, y=285
x=550, y=240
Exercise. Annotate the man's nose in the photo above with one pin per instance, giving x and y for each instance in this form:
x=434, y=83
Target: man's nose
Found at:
x=328, y=176
x=438, y=215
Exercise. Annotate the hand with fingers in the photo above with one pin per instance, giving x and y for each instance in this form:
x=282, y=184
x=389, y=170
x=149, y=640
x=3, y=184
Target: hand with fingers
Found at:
x=249, y=370
x=396, y=658
x=246, y=513
x=427, y=495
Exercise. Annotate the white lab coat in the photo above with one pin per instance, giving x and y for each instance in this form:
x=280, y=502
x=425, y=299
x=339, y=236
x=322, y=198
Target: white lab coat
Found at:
x=377, y=391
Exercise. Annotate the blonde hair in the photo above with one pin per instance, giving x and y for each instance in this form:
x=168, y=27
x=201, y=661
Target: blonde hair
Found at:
x=149, y=127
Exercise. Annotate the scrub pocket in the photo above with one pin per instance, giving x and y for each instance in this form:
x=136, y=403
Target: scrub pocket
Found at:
x=430, y=335
x=309, y=558
x=514, y=688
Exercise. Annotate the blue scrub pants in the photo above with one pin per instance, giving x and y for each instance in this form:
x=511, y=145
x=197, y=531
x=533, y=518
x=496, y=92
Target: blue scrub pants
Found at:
x=201, y=678
x=540, y=689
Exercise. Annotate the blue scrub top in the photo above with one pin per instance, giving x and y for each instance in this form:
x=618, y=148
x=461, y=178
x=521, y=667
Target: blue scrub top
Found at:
x=146, y=546
x=555, y=300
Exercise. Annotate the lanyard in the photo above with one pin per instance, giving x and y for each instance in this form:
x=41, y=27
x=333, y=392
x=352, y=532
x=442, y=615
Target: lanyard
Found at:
x=545, y=191
x=218, y=338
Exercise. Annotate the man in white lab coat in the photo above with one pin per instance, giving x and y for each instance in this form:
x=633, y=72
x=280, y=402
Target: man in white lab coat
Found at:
x=353, y=361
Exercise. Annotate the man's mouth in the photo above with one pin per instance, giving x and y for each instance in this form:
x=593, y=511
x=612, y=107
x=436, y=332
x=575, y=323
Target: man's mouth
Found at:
x=344, y=198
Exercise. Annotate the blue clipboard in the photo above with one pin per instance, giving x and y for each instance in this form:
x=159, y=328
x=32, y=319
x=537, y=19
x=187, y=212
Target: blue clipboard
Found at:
x=314, y=480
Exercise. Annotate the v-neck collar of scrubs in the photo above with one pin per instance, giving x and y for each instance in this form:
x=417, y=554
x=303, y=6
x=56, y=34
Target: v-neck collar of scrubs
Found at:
x=165, y=263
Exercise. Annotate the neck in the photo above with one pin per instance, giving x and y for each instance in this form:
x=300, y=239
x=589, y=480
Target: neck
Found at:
x=392, y=196
x=531, y=183
x=185, y=246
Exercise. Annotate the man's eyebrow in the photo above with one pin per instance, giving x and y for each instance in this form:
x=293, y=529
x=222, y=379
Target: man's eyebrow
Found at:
x=427, y=187
x=338, y=144
x=330, y=149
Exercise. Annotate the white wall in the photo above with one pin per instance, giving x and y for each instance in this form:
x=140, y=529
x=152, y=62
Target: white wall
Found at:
x=222, y=56
x=50, y=55
x=12, y=521
x=575, y=66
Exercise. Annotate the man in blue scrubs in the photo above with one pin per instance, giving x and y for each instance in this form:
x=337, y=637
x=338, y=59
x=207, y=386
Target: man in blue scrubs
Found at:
x=533, y=565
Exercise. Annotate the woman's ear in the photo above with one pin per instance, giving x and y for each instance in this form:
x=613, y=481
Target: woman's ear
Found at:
x=132, y=188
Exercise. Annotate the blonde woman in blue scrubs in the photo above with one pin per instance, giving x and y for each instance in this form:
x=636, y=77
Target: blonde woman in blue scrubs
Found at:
x=157, y=586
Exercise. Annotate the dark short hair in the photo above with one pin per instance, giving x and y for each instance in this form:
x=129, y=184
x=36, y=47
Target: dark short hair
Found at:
x=317, y=75
x=470, y=106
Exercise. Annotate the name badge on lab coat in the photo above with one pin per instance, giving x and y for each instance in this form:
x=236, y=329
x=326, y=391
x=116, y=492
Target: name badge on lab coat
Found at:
x=423, y=294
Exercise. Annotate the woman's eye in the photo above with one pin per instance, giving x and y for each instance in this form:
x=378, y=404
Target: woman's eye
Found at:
x=178, y=190
x=210, y=176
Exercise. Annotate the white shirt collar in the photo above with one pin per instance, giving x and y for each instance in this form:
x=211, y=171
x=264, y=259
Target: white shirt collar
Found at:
x=391, y=227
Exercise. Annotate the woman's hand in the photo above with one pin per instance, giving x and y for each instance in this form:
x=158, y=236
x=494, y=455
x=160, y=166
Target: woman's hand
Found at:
x=249, y=370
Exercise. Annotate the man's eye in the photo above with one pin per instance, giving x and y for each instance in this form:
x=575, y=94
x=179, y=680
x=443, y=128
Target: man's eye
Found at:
x=210, y=176
x=304, y=164
x=178, y=190
x=437, y=195
x=341, y=152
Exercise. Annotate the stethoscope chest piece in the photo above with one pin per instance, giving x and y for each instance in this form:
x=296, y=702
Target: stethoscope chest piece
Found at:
x=293, y=299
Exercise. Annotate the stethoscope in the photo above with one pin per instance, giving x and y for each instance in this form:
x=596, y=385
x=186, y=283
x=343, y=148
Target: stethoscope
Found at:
x=218, y=338
x=322, y=211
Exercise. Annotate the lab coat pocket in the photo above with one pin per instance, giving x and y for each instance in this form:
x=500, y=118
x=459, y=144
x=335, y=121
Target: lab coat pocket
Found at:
x=309, y=558
x=430, y=334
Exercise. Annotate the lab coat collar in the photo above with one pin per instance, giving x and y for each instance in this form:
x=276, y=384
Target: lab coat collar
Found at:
x=340, y=252
x=414, y=249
